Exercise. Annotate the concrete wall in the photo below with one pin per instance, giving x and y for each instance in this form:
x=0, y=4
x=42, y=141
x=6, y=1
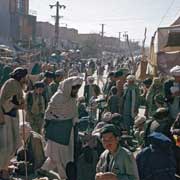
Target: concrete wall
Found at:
x=69, y=34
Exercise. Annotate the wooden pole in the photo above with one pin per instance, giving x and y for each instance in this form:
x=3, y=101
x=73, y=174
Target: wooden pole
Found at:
x=143, y=46
x=24, y=145
x=131, y=54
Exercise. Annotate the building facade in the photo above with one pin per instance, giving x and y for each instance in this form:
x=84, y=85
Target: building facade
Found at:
x=46, y=31
x=4, y=21
x=23, y=25
x=18, y=25
x=69, y=38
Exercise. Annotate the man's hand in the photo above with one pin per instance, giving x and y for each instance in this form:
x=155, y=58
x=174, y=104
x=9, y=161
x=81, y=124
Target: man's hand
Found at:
x=176, y=93
x=98, y=176
x=106, y=176
x=21, y=106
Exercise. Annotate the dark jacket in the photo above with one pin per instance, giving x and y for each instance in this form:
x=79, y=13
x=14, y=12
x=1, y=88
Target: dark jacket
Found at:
x=157, y=161
x=96, y=90
x=167, y=90
x=114, y=104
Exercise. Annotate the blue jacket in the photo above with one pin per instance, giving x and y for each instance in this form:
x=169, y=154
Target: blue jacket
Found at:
x=157, y=161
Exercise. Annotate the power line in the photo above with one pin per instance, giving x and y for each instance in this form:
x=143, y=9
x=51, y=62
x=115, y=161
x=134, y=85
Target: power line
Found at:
x=178, y=13
x=164, y=16
x=113, y=19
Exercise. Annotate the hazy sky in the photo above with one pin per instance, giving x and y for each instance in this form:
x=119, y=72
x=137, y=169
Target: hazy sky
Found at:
x=117, y=15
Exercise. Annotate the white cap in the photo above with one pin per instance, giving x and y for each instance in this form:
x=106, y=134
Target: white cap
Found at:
x=107, y=117
x=131, y=77
x=175, y=71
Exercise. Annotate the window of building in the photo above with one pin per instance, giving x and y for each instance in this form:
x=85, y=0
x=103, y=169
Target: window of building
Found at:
x=20, y=6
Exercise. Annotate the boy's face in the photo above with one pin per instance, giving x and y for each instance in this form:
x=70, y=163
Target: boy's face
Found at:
x=23, y=80
x=110, y=142
x=130, y=81
x=49, y=80
x=39, y=90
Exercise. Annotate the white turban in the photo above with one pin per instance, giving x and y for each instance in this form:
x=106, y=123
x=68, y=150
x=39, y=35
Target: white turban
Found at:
x=131, y=77
x=175, y=71
x=26, y=126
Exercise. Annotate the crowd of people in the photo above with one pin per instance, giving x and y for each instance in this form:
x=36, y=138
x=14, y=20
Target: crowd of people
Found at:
x=120, y=128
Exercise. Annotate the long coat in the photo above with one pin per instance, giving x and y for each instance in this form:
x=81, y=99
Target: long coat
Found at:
x=11, y=95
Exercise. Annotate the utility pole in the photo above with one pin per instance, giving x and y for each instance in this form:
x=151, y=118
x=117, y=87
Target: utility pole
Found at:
x=102, y=36
x=102, y=31
x=125, y=36
x=57, y=17
x=130, y=51
x=120, y=40
x=120, y=36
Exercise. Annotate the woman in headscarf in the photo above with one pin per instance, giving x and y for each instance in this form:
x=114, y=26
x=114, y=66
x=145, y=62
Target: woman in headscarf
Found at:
x=62, y=111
